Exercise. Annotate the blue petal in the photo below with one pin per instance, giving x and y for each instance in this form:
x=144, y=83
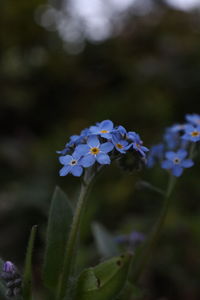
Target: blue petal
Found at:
x=106, y=125
x=82, y=149
x=65, y=160
x=177, y=171
x=103, y=159
x=107, y=136
x=170, y=155
x=93, y=141
x=65, y=170
x=94, y=129
x=182, y=153
x=106, y=147
x=76, y=155
x=87, y=160
x=167, y=164
x=187, y=163
x=77, y=171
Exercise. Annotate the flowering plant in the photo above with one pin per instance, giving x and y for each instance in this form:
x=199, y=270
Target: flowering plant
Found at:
x=84, y=156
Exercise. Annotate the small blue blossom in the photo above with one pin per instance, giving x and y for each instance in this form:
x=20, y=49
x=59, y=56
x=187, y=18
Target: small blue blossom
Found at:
x=171, y=138
x=9, y=267
x=156, y=154
x=177, y=127
x=71, y=165
x=137, y=143
x=103, y=129
x=118, y=141
x=94, y=151
x=176, y=162
x=192, y=133
x=193, y=118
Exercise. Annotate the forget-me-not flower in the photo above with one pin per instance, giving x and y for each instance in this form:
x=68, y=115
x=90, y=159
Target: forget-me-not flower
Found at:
x=71, y=165
x=193, y=118
x=137, y=143
x=176, y=162
x=192, y=133
x=94, y=151
x=103, y=129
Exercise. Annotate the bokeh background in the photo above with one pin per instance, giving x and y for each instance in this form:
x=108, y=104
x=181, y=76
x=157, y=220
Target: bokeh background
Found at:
x=66, y=64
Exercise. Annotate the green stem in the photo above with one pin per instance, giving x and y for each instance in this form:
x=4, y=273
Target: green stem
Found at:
x=73, y=236
x=143, y=255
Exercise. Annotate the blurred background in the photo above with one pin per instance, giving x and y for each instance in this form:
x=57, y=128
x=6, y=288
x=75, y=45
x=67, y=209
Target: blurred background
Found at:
x=66, y=64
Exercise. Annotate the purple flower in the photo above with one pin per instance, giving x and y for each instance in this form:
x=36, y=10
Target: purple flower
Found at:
x=193, y=118
x=192, y=133
x=94, y=151
x=103, y=129
x=176, y=162
x=71, y=165
x=9, y=267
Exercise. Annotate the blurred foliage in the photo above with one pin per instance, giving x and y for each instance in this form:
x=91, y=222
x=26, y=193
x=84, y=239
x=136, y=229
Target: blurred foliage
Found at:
x=145, y=79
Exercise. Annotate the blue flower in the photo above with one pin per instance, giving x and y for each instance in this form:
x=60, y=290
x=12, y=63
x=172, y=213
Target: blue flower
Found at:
x=94, y=151
x=192, y=133
x=118, y=139
x=176, y=162
x=156, y=153
x=71, y=165
x=193, y=118
x=137, y=143
x=171, y=138
x=103, y=129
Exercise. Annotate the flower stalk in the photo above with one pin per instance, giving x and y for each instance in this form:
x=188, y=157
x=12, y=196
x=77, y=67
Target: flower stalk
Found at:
x=70, y=250
x=143, y=255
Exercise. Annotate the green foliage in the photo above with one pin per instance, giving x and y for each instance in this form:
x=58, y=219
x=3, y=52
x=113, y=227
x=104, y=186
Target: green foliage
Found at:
x=104, y=241
x=27, y=276
x=105, y=281
x=60, y=218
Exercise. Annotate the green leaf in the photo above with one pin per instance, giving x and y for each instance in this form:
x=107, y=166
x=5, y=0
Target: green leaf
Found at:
x=60, y=218
x=105, y=281
x=27, y=276
x=104, y=241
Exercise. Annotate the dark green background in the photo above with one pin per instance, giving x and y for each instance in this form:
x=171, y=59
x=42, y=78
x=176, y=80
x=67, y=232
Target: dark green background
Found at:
x=146, y=78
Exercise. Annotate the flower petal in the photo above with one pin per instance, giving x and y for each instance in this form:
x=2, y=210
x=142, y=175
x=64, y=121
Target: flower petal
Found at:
x=167, y=164
x=103, y=159
x=106, y=125
x=177, y=171
x=94, y=129
x=106, y=147
x=65, y=170
x=93, y=141
x=82, y=149
x=170, y=155
x=182, y=153
x=187, y=163
x=65, y=160
x=77, y=171
x=87, y=160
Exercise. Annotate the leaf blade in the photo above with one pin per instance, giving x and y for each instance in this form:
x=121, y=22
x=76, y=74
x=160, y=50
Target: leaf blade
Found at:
x=27, y=276
x=60, y=218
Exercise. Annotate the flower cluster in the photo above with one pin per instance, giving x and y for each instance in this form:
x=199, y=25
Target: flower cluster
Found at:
x=174, y=153
x=12, y=279
x=99, y=144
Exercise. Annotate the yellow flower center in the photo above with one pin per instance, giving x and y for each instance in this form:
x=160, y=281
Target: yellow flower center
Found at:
x=120, y=146
x=104, y=131
x=73, y=162
x=94, y=150
x=195, y=133
x=176, y=160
